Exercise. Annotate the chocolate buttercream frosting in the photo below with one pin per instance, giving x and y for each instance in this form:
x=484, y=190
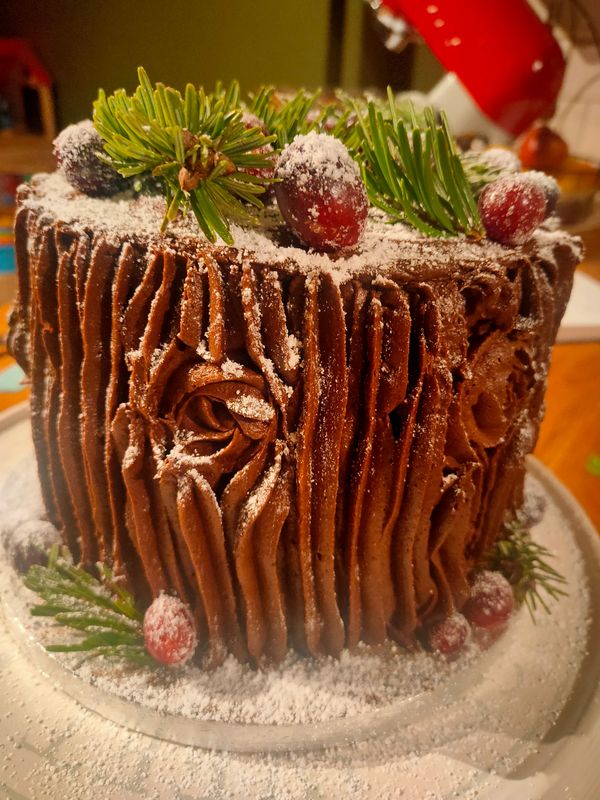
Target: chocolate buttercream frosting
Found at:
x=310, y=451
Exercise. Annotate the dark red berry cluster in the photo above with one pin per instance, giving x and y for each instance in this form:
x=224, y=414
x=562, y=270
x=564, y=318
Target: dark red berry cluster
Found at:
x=484, y=616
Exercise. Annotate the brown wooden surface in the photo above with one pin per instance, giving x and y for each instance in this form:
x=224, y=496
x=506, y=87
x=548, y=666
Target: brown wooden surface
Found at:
x=570, y=432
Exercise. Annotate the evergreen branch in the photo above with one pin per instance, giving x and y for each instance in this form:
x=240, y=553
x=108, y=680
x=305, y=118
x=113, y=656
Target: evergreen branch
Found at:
x=288, y=117
x=198, y=149
x=192, y=143
x=478, y=172
x=525, y=564
x=102, y=609
x=412, y=170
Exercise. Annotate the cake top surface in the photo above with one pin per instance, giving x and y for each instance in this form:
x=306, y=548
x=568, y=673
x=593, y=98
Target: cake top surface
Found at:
x=383, y=248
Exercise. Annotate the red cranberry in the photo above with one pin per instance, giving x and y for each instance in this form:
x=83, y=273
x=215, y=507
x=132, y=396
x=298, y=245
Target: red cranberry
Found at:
x=449, y=637
x=320, y=192
x=28, y=543
x=76, y=151
x=511, y=208
x=542, y=148
x=169, y=631
x=250, y=120
x=491, y=603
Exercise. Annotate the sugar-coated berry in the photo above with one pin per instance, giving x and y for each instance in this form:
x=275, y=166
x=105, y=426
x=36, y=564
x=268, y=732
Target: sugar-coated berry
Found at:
x=549, y=187
x=501, y=159
x=542, y=148
x=533, y=509
x=169, y=631
x=320, y=192
x=29, y=542
x=511, y=208
x=75, y=150
x=449, y=636
x=491, y=602
x=250, y=120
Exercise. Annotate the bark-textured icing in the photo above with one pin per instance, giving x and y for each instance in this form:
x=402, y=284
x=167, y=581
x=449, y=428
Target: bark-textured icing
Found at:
x=308, y=457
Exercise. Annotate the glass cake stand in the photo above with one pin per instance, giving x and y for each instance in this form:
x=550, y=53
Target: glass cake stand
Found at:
x=566, y=727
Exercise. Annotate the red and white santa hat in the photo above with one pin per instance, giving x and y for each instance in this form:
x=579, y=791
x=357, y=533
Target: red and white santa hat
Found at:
x=501, y=52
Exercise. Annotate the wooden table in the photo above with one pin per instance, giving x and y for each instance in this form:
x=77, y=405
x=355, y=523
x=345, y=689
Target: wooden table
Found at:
x=570, y=432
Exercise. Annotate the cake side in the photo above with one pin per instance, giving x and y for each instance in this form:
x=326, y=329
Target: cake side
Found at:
x=309, y=457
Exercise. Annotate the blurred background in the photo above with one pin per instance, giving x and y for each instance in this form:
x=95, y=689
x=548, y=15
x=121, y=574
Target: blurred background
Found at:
x=313, y=43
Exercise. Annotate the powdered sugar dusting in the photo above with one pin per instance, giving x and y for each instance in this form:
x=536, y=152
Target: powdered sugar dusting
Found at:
x=462, y=746
x=384, y=249
x=169, y=633
x=505, y=161
x=317, y=151
x=251, y=407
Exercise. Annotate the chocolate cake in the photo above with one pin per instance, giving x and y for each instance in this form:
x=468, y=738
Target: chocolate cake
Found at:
x=310, y=450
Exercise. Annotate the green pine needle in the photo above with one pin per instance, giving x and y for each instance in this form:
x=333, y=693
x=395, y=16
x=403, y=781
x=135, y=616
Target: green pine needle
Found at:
x=102, y=610
x=196, y=146
x=288, y=117
x=412, y=169
x=196, y=143
x=525, y=564
x=478, y=172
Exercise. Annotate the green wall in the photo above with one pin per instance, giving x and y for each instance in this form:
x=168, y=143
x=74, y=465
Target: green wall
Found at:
x=86, y=44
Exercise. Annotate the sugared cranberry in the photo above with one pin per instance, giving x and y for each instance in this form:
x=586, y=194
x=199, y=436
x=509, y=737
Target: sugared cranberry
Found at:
x=449, y=637
x=491, y=602
x=169, y=632
x=76, y=151
x=511, y=208
x=29, y=542
x=549, y=187
x=501, y=159
x=542, y=148
x=250, y=120
x=533, y=509
x=320, y=194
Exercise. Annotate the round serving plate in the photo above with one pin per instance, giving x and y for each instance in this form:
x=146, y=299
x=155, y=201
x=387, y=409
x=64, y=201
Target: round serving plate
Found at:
x=542, y=749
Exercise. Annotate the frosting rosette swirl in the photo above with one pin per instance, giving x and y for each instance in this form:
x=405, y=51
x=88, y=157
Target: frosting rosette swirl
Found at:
x=216, y=418
x=501, y=376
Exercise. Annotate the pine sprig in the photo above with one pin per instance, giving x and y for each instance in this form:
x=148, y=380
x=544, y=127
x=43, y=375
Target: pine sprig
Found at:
x=288, y=117
x=196, y=143
x=347, y=109
x=525, y=564
x=413, y=172
x=207, y=161
x=478, y=172
x=102, y=610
